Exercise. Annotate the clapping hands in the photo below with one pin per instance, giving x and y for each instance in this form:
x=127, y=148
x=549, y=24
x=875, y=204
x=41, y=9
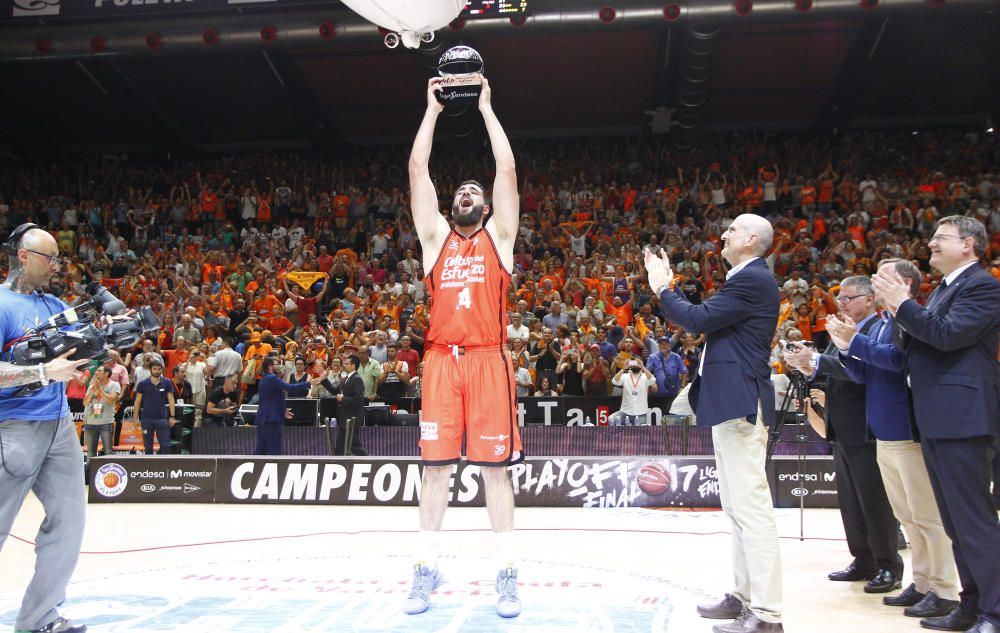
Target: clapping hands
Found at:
x=658, y=269
x=890, y=288
x=841, y=330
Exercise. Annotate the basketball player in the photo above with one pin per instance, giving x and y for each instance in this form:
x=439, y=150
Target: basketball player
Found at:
x=468, y=387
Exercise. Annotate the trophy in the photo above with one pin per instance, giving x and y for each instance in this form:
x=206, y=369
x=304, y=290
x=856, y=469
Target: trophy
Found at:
x=461, y=68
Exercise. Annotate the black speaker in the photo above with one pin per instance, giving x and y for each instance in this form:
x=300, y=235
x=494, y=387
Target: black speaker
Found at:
x=404, y=419
x=377, y=416
x=305, y=411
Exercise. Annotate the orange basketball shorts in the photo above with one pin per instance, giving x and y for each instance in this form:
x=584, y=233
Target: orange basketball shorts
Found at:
x=469, y=394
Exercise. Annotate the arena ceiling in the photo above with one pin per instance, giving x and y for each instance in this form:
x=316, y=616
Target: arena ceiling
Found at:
x=862, y=70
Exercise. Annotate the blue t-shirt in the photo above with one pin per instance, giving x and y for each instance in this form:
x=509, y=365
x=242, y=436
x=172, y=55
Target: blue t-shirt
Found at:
x=154, y=399
x=18, y=314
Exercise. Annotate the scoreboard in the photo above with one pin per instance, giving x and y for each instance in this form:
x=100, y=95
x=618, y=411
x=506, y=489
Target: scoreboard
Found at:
x=495, y=8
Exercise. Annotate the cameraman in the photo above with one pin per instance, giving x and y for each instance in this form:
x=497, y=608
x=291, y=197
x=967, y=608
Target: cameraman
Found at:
x=636, y=386
x=39, y=448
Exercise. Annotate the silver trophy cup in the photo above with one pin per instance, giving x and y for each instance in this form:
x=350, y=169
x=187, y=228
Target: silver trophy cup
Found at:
x=461, y=69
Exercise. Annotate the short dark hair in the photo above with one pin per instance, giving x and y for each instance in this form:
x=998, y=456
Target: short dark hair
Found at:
x=354, y=360
x=968, y=227
x=907, y=270
x=267, y=364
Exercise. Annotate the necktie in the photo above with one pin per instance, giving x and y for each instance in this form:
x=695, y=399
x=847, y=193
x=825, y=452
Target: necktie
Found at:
x=937, y=294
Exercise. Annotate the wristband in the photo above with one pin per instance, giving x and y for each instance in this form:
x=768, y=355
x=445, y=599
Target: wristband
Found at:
x=42, y=378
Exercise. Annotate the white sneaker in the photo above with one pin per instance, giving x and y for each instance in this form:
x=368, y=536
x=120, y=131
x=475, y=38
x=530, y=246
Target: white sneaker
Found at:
x=508, y=605
x=425, y=581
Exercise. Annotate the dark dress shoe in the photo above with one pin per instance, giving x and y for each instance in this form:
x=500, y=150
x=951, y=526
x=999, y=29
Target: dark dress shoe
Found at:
x=983, y=626
x=850, y=574
x=729, y=608
x=932, y=606
x=883, y=582
x=957, y=620
x=908, y=598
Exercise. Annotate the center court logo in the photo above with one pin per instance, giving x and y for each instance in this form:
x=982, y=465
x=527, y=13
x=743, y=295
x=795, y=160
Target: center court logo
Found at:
x=110, y=480
x=366, y=595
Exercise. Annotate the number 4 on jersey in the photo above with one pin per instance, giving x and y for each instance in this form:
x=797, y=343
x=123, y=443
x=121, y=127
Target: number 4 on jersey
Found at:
x=464, y=299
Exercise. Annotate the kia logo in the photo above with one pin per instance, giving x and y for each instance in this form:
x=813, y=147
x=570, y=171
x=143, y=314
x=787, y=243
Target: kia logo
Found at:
x=799, y=492
x=147, y=488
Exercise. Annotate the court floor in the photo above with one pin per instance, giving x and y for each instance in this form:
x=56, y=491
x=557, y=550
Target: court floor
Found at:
x=216, y=568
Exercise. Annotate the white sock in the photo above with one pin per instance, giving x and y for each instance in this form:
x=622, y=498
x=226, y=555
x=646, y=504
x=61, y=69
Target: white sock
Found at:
x=506, y=550
x=428, y=548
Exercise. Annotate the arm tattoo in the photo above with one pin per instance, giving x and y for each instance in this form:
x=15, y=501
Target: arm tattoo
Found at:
x=17, y=375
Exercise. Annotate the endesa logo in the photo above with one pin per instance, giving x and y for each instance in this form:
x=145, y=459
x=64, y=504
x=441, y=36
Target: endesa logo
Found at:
x=149, y=474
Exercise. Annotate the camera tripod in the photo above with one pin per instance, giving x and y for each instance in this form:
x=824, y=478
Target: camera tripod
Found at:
x=798, y=389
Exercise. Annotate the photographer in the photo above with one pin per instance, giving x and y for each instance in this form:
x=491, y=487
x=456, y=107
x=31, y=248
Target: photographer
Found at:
x=37, y=434
x=570, y=371
x=636, y=382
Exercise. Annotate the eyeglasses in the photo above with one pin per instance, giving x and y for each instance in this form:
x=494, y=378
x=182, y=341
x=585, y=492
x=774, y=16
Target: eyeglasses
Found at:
x=845, y=300
x=52, y=259
x=944, y=237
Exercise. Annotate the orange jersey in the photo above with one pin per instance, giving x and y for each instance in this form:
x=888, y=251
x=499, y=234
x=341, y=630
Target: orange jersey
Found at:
x=468, y=288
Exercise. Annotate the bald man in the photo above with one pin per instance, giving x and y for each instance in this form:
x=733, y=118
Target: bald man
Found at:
x=41, y=451
x=732, y=393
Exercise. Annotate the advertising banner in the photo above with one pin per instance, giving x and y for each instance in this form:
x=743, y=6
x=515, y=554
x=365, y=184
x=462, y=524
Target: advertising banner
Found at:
x=581, y=482
x=159, y=479
x=812, y=480
x=541, y=482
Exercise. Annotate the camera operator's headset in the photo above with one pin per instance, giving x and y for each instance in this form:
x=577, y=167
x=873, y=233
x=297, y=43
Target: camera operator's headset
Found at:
x=11, y=246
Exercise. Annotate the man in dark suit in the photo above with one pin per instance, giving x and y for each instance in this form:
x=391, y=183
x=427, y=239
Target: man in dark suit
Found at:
x=272, y=412
x=732, y=392
x=869, y=524
x=872, y=359
x=351, y=401
x=951, y=365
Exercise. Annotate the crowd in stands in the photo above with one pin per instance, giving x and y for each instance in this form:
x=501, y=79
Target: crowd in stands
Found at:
x=315, y=260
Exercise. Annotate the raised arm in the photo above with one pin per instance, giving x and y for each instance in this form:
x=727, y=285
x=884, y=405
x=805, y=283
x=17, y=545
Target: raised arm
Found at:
x=430, y=225
x=506, y=207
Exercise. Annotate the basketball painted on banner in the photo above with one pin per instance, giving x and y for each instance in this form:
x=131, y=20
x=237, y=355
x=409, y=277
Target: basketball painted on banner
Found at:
x=653, y=479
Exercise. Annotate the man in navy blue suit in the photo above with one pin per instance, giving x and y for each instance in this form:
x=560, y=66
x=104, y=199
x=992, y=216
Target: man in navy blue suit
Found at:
x=872, y=359
x=271, y=413
x=951, y=366
x=732, y=392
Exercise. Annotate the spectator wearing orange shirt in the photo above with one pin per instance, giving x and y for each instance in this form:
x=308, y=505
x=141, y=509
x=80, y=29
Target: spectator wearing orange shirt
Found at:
x=807, y=195
x=824, y=198
x=176, y=356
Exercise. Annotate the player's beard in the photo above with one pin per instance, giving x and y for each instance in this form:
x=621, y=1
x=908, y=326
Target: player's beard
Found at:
x=472, y=217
